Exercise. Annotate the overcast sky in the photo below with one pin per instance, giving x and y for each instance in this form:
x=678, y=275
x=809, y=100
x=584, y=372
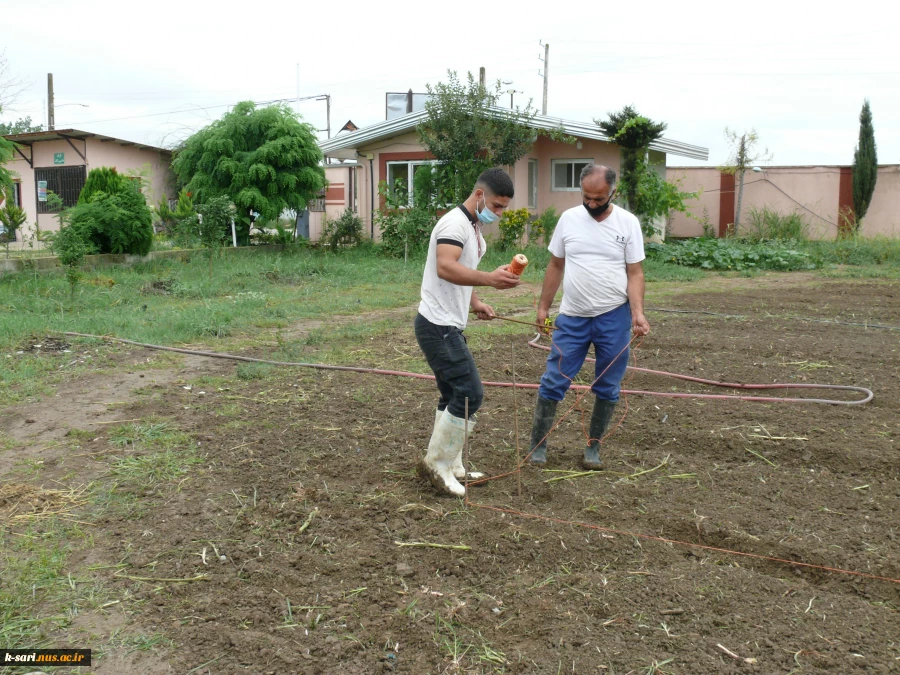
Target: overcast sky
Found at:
x=153, y=72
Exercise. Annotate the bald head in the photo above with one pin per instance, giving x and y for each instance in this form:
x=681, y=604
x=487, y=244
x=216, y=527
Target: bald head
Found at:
x=596, y=176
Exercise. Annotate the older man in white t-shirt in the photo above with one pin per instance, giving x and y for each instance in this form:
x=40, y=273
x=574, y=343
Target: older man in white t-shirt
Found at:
x=596, y=251
x=451, y=271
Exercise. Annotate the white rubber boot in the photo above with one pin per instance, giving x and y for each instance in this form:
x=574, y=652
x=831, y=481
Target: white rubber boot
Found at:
x=437, y=465
x=459, y=471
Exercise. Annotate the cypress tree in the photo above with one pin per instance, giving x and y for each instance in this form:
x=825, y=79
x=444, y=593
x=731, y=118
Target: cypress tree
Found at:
x=865, y=165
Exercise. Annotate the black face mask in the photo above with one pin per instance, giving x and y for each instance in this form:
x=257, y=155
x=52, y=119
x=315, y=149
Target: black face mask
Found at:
x=597, y=210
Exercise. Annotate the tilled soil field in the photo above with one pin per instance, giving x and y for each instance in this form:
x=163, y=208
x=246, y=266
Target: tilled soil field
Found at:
x=317, y=550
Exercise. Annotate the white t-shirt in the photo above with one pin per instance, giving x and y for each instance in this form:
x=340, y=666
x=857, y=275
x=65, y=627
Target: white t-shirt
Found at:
x=443, y=303
x=595, y=281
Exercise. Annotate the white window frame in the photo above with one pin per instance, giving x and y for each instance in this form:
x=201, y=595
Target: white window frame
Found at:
x=533, y=192
x=410, y=191
x=575, y=177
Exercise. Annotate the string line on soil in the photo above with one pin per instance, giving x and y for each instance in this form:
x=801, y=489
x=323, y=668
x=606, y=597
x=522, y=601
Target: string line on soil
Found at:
x=677, y=542
x=869, y=395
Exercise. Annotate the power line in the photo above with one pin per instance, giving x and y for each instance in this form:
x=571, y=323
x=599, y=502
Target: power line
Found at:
x=211, y=107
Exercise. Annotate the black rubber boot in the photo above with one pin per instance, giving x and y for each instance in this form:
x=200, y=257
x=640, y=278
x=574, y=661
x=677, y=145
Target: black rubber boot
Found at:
x=600, y=417
x=544, y=414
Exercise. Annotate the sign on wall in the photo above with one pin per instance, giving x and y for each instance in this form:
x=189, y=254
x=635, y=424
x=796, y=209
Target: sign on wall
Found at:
x=42, y=190
x=59, y=158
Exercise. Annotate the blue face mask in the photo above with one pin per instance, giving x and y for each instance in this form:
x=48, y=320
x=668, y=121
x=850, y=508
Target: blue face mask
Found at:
x=486, y=216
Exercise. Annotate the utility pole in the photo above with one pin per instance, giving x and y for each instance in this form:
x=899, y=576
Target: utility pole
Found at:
x=328, y=113
x=546, y=61
x=481, y=78
x=51, y=118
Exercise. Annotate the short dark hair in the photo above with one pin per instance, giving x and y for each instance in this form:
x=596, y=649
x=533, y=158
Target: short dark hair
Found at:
x=497, y=182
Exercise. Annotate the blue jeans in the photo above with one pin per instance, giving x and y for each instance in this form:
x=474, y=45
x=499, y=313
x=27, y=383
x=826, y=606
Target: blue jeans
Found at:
x=610, y=333
x=454, y=368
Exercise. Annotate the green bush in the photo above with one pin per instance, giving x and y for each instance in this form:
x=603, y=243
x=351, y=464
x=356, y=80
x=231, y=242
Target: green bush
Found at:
x=11, y=218
x=103, y=179
x=544, y=226
x=407, y=229
x=767, y=224
x=71, y=247
x=512, y=229
x=729, y=254
x=114, y=223
x=345, y=232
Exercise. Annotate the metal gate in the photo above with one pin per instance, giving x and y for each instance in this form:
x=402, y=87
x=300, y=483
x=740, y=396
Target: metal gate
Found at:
x=303, y=224
x=64, y=181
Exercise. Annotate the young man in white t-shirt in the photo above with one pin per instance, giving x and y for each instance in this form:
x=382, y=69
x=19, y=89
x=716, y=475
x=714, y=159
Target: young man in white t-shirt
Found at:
x=600, y=247
x=454, y=251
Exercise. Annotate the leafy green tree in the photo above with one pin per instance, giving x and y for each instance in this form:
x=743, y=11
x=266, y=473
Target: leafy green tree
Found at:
x=745, y=153
x=649, y=195
x=264, y=160
x=216, y=215
x=20, y=126
x=11, y=217
x=865, y=165
x=633, y=133
x=467, y=134
x=105, y=179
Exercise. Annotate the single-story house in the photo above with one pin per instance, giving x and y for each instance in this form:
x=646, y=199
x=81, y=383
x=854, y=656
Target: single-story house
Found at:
x=818, y=193
x=60, y=161
x=548, y=175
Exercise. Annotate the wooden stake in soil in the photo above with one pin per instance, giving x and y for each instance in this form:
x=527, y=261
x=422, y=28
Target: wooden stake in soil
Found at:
x=466, y=451
x=518, y=457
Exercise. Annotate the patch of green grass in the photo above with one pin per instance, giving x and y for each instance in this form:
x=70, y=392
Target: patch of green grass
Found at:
x=659, y=270
x=138, y=642
x=248, y=288
x=113, y=500
x=150, y=434
x=8, y=443
x=36, y=592
x=466, y=647
x=860, y=272
x=154, y=467
x=857, y=251
x=254, y=371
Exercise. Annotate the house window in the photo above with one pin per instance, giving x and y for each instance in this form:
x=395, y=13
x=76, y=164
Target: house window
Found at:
x=532, y=183
x=64, y=181
x=401, y=177
x=567, y=174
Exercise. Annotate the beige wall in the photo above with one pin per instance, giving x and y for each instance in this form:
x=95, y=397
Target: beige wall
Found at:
x=703, y=180
x=883, y=217
x=339, y=197
x=811, y=191
x=98, y=154
x=546, y=150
